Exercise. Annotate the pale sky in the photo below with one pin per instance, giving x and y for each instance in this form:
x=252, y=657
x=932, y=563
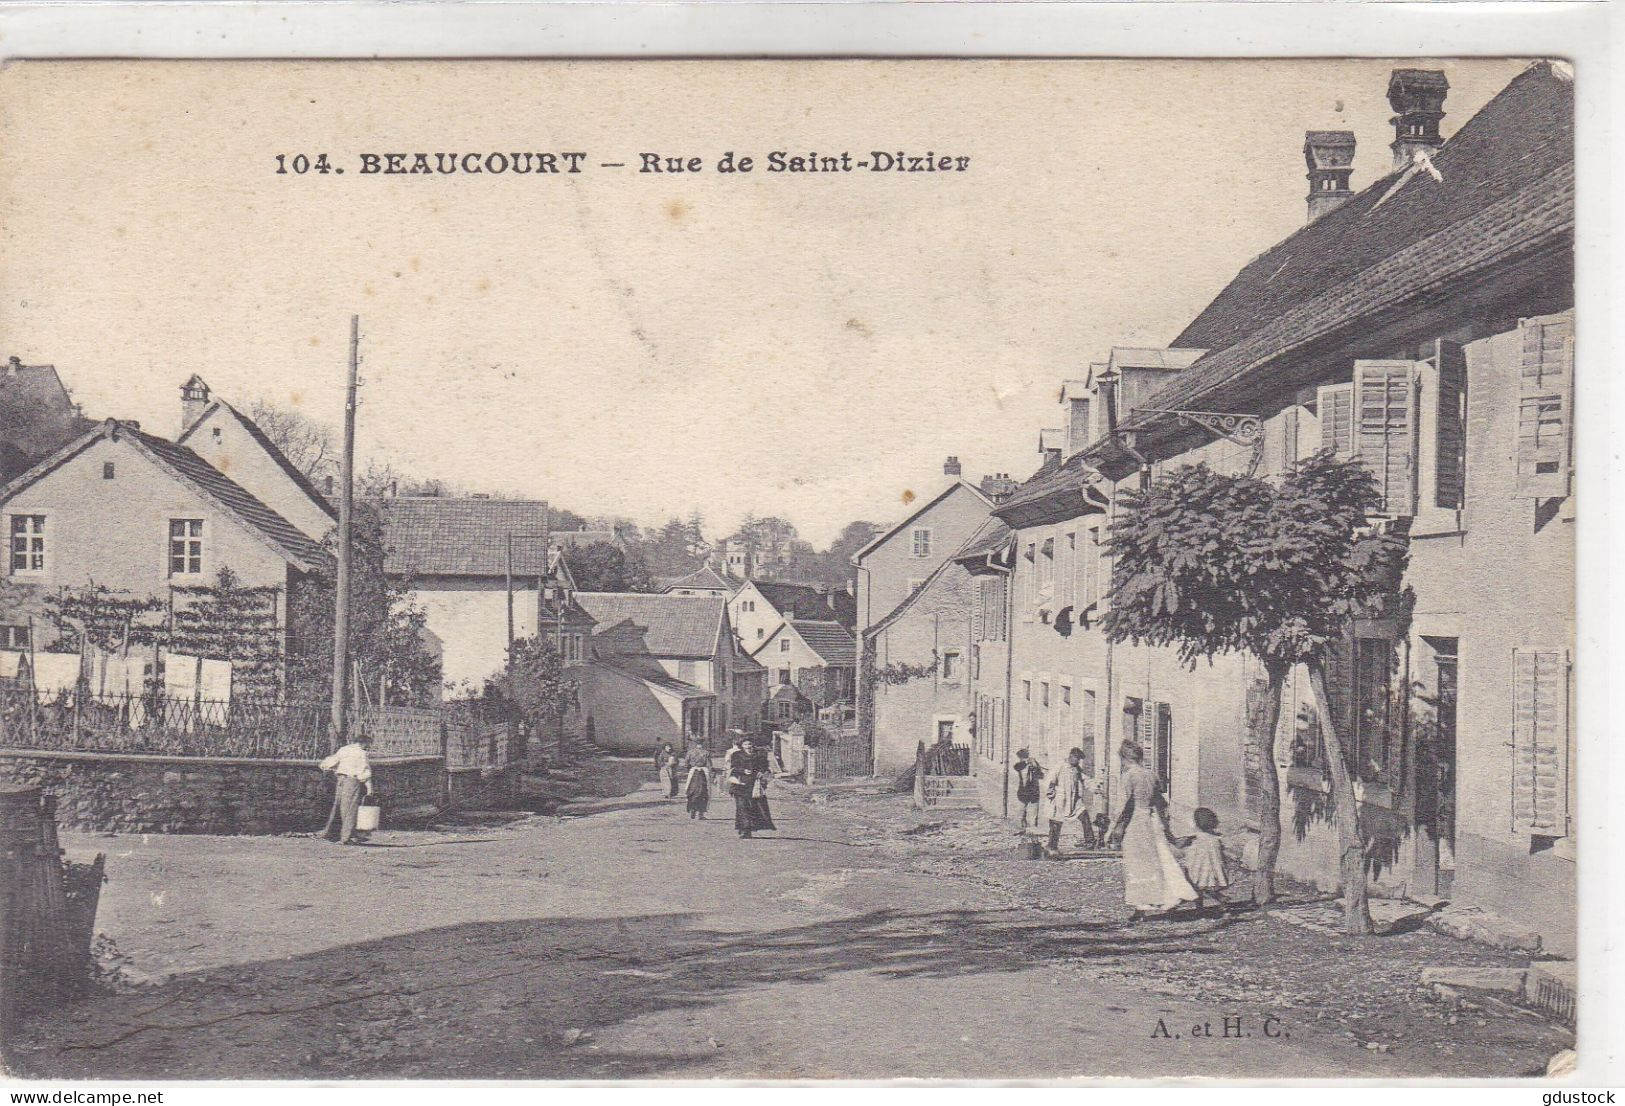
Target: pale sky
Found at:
x=809, y=346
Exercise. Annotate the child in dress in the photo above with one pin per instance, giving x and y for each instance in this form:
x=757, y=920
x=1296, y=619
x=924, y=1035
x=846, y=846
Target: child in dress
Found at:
x=1204, y=860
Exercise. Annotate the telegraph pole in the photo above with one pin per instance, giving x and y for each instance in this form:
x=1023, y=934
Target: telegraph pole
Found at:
x=341, y=612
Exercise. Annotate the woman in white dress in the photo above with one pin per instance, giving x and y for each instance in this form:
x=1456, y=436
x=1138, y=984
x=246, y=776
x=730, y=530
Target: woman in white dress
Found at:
x=1152, y=877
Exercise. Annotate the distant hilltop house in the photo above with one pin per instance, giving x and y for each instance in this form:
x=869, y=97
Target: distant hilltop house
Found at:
x=36, y=415
x=760, y=607
x=665, y=668
x=120, y=508
x=454, y=553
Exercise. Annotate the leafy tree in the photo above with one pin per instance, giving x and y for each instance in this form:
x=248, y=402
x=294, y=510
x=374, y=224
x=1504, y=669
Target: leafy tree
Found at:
x=820, y=685
x=386, y=626
x=1208, y=563
x=540, y=692
x=601, y=566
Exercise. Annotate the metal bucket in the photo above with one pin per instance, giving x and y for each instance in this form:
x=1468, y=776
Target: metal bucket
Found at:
x=366, y=817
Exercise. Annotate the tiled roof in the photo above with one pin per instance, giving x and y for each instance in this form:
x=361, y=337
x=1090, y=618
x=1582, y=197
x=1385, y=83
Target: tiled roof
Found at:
x=655, y=676
x=1505, y=190
x=830, y=640
x=293, y=472
x=443, y=536
x=883, y=537
x=631, y=623
x=703, y=578
x=805, y=601
x=233, y=496
x=991, y=537
x=42, y=414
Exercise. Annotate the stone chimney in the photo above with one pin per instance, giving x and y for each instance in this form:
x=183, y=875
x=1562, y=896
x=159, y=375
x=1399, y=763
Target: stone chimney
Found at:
x=1330, y=157
x=1417, y=97
x=998, y=486
x=951, y=467
x=194, y=401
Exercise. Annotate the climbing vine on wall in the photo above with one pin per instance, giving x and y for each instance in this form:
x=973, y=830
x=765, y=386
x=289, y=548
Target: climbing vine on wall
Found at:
x=899, y=673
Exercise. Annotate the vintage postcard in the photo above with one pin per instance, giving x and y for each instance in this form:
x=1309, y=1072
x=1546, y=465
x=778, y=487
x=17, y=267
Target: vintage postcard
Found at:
x=828, y=569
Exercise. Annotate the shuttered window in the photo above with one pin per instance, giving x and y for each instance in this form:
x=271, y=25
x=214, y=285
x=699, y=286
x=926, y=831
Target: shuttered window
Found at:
x=1289, y=438
x=1545, y=396
x=978, y=615
x=1540, y=742
x=1384, y=401
x=1086, y=731
x=1450, y=426
x=1335, y=403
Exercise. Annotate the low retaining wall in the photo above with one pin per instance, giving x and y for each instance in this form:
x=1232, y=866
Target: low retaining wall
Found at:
x=132, y=793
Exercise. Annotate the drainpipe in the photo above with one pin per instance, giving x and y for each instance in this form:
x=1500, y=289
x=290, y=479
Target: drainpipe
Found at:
x=1009, y=683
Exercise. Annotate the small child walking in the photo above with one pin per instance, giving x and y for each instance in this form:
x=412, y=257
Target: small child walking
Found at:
x=1205, y=864
x=698, y=790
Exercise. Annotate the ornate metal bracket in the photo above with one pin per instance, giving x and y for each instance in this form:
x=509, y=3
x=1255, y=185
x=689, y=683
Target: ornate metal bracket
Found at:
x=1247, y=430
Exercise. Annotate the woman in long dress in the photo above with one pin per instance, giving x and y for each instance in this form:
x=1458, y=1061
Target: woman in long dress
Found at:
x=747, y=784
x=1152, y=877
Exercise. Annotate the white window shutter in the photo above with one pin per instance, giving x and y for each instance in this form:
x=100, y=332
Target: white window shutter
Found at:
x=1540, y=746
x=978, y=611
x=1450, y=426
x=1384, y=409
x=1545, y=399
x=1335, y=403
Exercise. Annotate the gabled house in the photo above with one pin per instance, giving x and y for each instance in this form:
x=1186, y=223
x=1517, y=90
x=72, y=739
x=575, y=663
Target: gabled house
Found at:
x=36, y=415
x=1423, y=325
x=468, y=561
x=759, y=607
x=234, y=444
x=665, y=668
x=801, y=648
x=703, y=581
x=123, y=509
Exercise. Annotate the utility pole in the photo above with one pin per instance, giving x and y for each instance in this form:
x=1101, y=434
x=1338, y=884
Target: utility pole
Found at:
x=341, y=612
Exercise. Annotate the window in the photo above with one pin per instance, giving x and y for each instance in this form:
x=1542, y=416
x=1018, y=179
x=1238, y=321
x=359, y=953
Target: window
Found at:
x=107, y=470
x=1063, y=720
x=784, y=645
x=1086, y=731
x=1031, y=556
x=1335, y=404
x=784, y=677
x=1069, y=570
x=1043, y=718
x=975, y=662
x=1545, y=396
x=1449, y=425
x=1376, y=715
x=571, y=647
x=1384, y=402
x=28, y=543
x=13, y=637
x=920, y=541
x=1046, y=568
x=1091, y=568
x=950, y=665
x=761, y=632
x=1540, y=742
x=185, y=546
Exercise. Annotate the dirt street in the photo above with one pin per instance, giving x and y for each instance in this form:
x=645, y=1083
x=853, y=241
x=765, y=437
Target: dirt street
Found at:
x=623, y=940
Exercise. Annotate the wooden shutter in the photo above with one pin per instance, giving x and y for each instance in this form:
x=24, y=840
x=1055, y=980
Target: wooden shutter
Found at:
x=1384, y=402
x=978, y=615
x=1450, y=426
x=1540, y=746
x=1545, y=399
x=1335, y=402
x=1289, y=438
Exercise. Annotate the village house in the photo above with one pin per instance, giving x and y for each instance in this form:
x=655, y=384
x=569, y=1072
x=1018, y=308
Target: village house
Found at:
x=138, y=515
x=760, y=607
x=36, y=415
x=703, y=581
x=930, y=647
x=665, y=668
x=802, y=650
x=1425, y=326
x=469, y=562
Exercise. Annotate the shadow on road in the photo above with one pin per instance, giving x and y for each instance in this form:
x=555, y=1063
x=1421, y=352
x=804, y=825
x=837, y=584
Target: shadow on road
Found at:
x=515, y=987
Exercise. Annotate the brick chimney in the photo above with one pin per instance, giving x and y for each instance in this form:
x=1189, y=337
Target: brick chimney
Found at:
x=1330, y=157
x=997, y=486
x=1417, y=97
x=194, y=401
x=951, y=467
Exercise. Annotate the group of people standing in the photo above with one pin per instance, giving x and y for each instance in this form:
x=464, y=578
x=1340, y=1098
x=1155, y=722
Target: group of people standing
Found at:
x=1160, y=872
x=748, y=772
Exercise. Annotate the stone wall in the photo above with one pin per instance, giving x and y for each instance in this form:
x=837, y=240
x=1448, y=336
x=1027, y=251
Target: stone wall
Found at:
x=165, y=794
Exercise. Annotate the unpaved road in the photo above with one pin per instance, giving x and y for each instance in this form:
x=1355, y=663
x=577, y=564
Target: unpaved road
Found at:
x=627, y=941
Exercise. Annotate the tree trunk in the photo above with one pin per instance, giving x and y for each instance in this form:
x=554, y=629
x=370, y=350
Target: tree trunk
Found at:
x=1269, y=786
x=1350, y=842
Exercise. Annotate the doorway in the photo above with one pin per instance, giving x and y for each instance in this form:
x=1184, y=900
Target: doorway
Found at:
x=1436, y=762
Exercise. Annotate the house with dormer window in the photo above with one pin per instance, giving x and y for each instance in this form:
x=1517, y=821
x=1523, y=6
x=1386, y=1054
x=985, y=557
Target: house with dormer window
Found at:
x=1423, y=325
